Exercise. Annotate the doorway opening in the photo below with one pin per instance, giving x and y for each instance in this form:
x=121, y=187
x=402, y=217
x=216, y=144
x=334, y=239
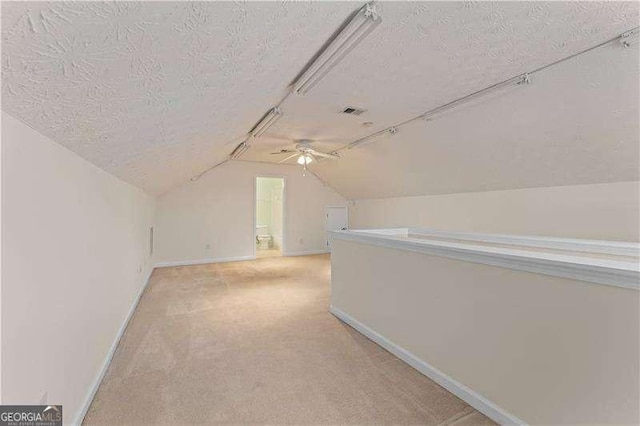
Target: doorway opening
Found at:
x=269, y=214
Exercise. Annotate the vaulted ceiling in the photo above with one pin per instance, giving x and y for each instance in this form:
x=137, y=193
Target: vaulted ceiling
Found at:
x=156, y=92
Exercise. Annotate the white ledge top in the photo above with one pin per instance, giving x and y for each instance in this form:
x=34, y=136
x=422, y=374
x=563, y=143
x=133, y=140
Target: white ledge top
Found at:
x=603, y=262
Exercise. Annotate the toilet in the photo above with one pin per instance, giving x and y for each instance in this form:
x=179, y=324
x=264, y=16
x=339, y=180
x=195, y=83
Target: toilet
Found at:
x=263, y=237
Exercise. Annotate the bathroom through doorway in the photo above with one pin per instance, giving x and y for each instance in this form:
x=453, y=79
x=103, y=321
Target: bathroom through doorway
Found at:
x=269, y=217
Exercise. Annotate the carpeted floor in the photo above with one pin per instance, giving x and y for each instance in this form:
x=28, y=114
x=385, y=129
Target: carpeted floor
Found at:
x=252, y=343
x=272, y=252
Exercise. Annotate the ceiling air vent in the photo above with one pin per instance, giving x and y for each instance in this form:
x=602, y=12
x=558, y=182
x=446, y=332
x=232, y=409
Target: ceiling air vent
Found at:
x=352, y=110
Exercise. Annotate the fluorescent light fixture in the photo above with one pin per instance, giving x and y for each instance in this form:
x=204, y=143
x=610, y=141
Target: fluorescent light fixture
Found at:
x=267, y=121
x=304, y=159
x=363, y=22
x=240, y=149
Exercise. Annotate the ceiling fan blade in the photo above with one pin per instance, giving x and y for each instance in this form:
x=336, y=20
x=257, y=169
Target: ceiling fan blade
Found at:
x=279, y=138
x=321, y=154
x=283, y=151
x=289, y=157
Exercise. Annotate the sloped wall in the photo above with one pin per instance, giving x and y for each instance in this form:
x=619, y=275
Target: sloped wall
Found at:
x=602, y=211
x=212, y=219
x=75, y=255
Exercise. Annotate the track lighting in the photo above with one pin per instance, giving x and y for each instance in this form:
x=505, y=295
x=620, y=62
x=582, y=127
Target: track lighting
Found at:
x=198, y=176
x=520, y=80
x=267, y=121
x=240, y=149
x=385, y=132
x=625, y=39
x=629, y=38
x=364, y=21
x=523, y=79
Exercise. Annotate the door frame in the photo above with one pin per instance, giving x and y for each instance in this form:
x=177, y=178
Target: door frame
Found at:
x=255, y=208
x=326, y=221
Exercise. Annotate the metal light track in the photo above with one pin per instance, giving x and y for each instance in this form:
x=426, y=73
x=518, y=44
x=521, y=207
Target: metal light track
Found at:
x=626, y=39
x=351, y=34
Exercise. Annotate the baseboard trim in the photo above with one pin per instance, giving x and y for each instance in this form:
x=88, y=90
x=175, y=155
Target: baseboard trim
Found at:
x=231, y=259
x=107, y=360
x=471, y=397
x=306, y=253
x=203, y=261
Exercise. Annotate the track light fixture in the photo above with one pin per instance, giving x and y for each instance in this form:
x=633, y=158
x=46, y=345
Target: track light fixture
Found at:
x=362, y=23
x=520, y=80
x=198, y=176
x=629, y=38
x=267, y=121
x=385, y=132
x=523, y=79
x=240, y=149
x=625, y=39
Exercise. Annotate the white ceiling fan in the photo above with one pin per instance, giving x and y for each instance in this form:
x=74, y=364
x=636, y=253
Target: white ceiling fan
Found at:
x=305, y=153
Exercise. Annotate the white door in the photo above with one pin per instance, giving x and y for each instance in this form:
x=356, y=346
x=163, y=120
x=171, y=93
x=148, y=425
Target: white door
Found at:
x=337, y=219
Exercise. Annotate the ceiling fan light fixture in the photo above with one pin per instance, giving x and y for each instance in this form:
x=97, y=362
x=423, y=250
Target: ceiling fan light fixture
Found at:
x=304, y=159
x=362, y=23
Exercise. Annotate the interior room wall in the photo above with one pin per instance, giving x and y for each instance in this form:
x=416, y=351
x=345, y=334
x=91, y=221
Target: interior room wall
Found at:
x=548, y=350
x=211, y=219
x=602, y=211
x=75, y=256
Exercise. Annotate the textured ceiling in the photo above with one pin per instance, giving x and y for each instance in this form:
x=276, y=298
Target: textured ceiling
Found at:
x=576, y=123
x=156, y=92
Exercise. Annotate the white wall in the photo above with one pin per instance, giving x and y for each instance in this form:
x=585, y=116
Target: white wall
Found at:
x=218, y=210
x=75, y=255
x=602, y=211
x=546, y=349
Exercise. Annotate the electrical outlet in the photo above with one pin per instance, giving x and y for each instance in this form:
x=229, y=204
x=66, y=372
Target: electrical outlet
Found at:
x=207, y=247
x=301, y=240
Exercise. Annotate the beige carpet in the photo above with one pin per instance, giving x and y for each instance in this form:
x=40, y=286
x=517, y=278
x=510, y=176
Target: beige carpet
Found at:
x=272, y=252
x=252, y=343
